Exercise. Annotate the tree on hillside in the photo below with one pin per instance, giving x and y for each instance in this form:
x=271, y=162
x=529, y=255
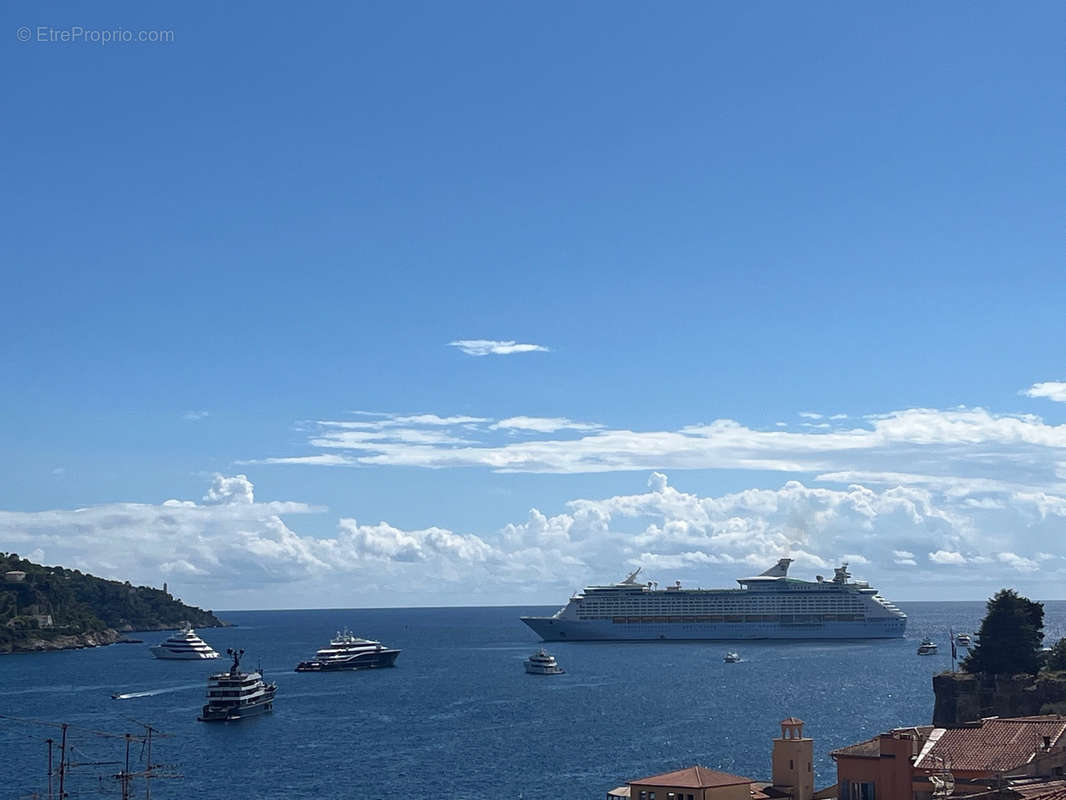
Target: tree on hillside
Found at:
x=1010, y=636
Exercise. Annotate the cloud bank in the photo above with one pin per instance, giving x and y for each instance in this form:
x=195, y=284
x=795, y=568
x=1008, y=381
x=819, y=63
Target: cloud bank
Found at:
x=234, y=550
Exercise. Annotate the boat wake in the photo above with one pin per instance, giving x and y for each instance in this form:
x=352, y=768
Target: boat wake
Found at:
x=153, y=692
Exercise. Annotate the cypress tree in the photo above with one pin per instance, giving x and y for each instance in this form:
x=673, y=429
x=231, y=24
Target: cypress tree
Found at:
x=1010, y=636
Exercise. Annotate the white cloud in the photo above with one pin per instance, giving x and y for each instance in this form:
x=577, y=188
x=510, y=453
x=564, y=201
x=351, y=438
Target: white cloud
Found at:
x=1018, y=562
x=195, y=416
x=487, y=347
x=237, y=489
x=1052, y=390
x=810, y=415
x=543, y=424
x=231, y=543
x=904, y=558
x=947, y=557
x=933, y=448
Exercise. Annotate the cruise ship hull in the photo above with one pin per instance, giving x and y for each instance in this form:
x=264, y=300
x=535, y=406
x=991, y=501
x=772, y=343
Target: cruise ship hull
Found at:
x=553, y=629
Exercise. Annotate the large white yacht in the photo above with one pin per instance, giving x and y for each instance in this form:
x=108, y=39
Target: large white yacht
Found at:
x=235, y=695
x=184, y=644
x=767, y=606
x=543, y=663
x=348, y=651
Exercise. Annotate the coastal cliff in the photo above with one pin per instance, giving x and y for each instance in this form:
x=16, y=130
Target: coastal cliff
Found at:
x=53, y=608
x=963, y=697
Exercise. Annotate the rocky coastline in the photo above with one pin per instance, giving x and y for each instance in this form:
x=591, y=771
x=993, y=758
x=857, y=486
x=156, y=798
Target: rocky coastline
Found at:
x=42, y=641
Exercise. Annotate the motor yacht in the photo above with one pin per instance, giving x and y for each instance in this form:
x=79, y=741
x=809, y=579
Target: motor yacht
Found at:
x=543, y=663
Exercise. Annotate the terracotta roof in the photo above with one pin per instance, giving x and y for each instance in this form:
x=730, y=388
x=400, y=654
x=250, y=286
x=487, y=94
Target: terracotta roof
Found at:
x=1050, y=794
x=995, y=745
x=693, y=778
x=871, y=748
x=1032, y=788
x=791, y=721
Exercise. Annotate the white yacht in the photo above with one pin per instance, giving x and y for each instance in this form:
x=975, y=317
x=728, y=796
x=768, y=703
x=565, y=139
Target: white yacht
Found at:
x=184, y=644
x=964, y=639
x=235, y=695
x=348, y=651
x=732, y=657
x=927, y=647
x=543, y=663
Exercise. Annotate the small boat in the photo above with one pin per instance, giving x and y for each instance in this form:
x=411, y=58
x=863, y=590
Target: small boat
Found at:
x=184, y=645
x=732, y=657
x=235, y=694
x=347, y=651
x=964, y=640
x=927, y=647
x=543, y=663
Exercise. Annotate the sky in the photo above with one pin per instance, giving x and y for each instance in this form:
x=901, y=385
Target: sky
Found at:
x=381, y=304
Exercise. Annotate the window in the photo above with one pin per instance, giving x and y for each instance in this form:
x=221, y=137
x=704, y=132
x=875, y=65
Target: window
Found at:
x=791, y=765
x=643, y=796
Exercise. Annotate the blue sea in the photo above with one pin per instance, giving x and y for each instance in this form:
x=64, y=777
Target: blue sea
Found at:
x=458, y=717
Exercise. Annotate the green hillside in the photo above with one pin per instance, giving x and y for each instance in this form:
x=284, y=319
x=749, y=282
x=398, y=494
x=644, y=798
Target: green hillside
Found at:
x=54, y=604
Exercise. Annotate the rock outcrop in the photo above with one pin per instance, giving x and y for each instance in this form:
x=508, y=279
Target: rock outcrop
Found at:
x=962, y=697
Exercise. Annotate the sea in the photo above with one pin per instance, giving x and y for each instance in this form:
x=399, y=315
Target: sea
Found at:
x=458, y=717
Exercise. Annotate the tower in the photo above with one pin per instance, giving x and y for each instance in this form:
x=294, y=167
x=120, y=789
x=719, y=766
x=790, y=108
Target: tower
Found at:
x=793, y=757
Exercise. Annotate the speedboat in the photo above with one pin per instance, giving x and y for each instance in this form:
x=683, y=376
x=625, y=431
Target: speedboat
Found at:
x=927, y=647
x=235, y=694
x=184, y=645
x=732, y=657
x=543, y=663
x=347, y=651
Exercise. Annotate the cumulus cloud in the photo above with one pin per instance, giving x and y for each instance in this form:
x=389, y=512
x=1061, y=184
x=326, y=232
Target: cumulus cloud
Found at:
x=947, y=557
x=237, y=489
x=494, y=347
x=1052, y=390
x=904, y=558
x=232, y=541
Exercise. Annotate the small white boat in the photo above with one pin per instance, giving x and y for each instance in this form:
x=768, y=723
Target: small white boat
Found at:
x=964, y=639
x=185, y=645
x=927, y=647
x=543, y=663
x=732, y=657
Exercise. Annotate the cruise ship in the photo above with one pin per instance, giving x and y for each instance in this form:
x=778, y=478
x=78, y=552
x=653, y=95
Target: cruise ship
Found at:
x=767, y=606
x=185, y=645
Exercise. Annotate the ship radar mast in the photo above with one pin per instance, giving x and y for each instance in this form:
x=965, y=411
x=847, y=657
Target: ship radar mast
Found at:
x=841, y=574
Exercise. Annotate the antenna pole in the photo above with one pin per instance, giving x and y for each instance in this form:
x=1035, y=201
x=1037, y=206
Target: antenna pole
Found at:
x=50, y=743
x=148, y=767
x=63, y=763
x=126, y=772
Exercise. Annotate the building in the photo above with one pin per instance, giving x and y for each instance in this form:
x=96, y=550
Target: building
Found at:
x=692, y=783
x=791, y=762
x=793, y=777
x=14, y=576
x=993, y=755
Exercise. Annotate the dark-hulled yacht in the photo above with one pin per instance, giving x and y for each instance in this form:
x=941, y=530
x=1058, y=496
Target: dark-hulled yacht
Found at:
x=235, y=695
x=348, y=651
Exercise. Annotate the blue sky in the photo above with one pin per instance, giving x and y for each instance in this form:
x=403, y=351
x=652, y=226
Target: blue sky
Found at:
x=704, y=212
